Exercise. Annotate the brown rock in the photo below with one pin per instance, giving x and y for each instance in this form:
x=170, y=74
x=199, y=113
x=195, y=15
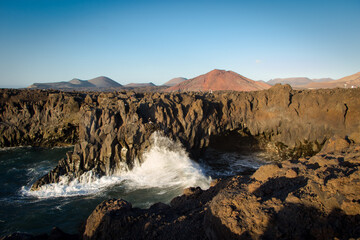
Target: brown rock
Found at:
x=97, y=221
x=291, y=173
x=297, y=206
x=299, y=200
x=265, y=172
x=336, y=144
x=115, y=128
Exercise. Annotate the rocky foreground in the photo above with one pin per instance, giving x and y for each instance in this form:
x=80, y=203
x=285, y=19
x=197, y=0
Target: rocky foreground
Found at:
x=300, y=198
x=308, y=198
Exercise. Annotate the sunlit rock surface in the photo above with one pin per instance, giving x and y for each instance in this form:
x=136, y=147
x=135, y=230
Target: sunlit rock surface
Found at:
x=308, y=198
x=111, y=130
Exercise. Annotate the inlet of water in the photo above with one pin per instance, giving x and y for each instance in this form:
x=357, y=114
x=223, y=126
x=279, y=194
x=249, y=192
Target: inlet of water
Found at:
x=166, y=170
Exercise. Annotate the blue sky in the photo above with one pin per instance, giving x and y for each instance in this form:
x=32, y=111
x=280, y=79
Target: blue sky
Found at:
x=154, y=41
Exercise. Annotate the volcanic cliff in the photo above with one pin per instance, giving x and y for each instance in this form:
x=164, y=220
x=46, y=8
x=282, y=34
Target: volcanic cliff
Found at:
x=302, y=197
x=307, y=198
x=113, y=129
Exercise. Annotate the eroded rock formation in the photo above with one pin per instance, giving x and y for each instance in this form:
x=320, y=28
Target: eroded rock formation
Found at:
x=38, y=118
x=300, y=198
x=316, y=198
x=115, y=128
x=308, y=198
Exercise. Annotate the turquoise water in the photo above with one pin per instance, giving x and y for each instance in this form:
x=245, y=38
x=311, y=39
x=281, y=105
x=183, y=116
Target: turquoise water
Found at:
x=164, y=174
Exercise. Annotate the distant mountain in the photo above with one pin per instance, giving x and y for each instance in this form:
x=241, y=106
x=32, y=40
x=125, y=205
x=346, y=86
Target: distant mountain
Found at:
x=104, y=82
x=345, y=82
x=322, y=80
x=77, y=82
x=291, y=81
x=174, y=81
x=95, y=83
x=139, y=85
x=219, y=80
x=355, y=79
x=297, y=81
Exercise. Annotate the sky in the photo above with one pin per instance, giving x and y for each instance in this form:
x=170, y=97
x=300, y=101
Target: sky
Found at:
x=155, y=41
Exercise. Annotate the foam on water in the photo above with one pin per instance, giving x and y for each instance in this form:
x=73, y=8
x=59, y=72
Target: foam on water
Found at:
x=165, y=165
x=87, y=184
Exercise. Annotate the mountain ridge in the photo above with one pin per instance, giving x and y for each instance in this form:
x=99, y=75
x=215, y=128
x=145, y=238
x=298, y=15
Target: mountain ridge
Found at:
x=350, y=81
x=75, y=83
x=139, y=85
x=297, y=81
x=219, y=80
x=175, y=81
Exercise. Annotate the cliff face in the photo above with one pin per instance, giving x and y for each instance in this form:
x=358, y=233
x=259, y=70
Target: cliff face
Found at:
x=115, y=128
x=38, y=118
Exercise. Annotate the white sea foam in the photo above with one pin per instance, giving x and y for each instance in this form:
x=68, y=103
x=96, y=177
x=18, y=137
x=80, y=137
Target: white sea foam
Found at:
x=13, y=148
x=87, y=184
x=165, y=165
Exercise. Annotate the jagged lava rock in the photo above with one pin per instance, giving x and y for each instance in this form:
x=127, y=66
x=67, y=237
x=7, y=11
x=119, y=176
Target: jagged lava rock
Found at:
x=316, y=198
x=38, y=118
x=114, y=128
x=308, y=198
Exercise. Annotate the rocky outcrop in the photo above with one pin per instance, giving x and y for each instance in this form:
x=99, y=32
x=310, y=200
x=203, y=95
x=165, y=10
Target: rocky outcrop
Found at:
x=38, y=118
x=299, y=198
x=182, y=219
x=308, y=198
x=114, y=128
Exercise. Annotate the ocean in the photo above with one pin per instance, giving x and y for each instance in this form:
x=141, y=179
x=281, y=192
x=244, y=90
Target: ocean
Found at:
x=166, y=170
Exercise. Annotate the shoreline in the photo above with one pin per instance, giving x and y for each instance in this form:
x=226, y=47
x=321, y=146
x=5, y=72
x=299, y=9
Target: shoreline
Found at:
x=112, y=129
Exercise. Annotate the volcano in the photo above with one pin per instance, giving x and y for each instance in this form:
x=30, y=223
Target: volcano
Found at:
x=219, y=80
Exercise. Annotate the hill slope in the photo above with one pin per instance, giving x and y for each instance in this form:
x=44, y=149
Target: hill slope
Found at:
x=104, y=82
x=95, y=83
x=298, y=81
x=139, y=85
x=174, y=81
x=291, y=81
x=219, y=80
x=345, y=82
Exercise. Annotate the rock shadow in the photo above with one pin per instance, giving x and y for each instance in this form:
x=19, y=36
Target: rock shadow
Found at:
x=293, y=221
x=240, y=141
x=296, y=221
x=279, y=188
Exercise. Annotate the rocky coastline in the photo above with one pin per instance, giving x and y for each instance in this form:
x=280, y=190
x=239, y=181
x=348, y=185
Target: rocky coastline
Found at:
x=312, y=193
x=308, y=198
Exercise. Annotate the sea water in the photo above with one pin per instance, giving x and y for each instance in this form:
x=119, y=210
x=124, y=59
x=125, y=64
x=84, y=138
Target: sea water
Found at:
x=165, y=171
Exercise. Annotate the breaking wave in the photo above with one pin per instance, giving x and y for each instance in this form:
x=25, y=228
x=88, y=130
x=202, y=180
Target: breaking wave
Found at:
x=166, y=166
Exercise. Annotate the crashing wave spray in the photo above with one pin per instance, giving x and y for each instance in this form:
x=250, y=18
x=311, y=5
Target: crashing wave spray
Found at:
x=166, y=165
